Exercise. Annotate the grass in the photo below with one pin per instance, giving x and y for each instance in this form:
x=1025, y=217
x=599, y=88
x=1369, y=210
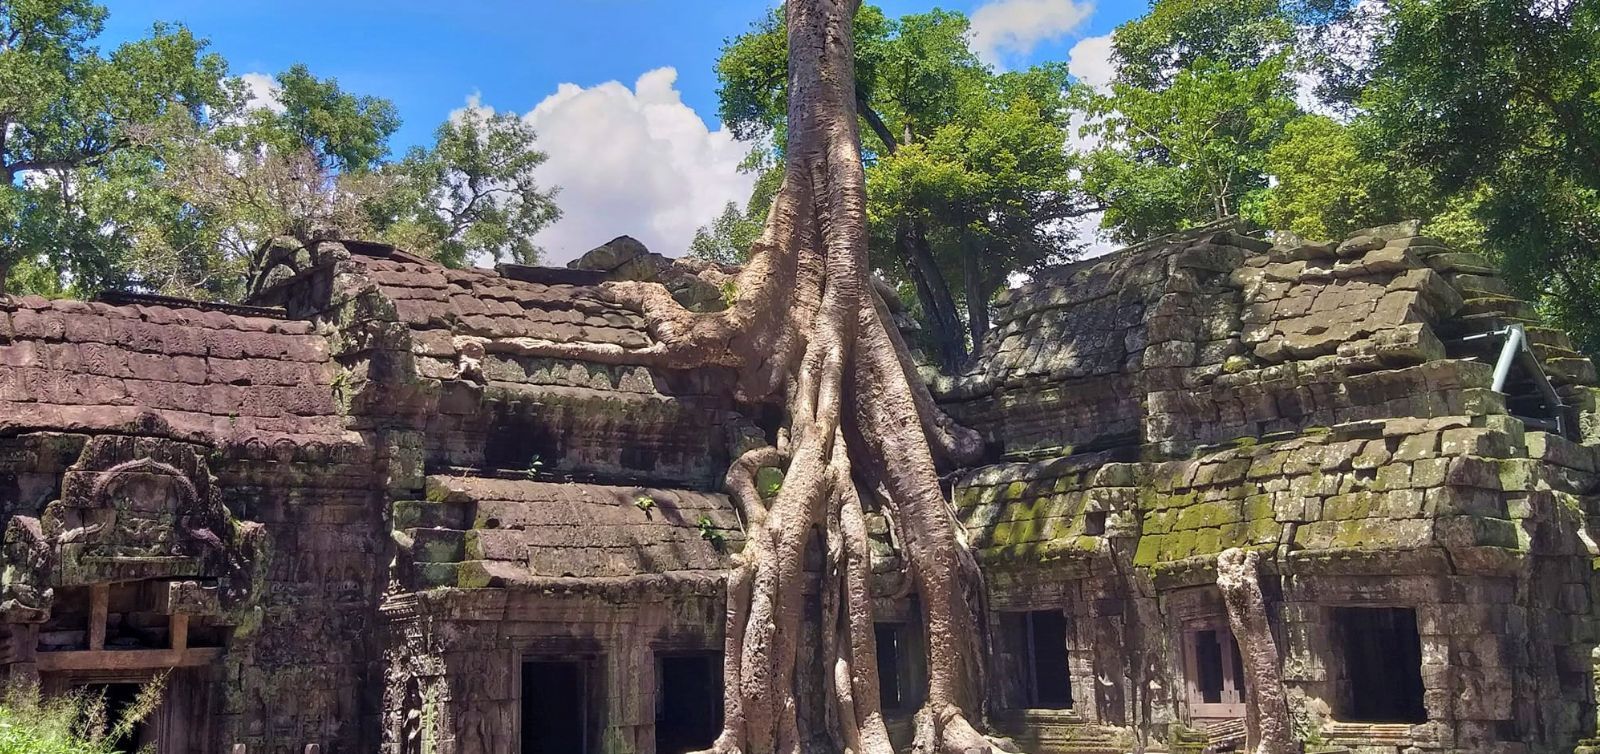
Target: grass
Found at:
x=79, y=722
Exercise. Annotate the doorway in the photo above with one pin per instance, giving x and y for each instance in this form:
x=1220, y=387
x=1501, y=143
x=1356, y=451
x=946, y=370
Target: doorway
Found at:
x=555, y=707
x=688, y=702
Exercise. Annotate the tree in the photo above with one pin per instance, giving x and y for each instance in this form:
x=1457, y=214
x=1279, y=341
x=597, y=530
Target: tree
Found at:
x=807, y=331
x=1191, y=152
x=242, y=212
x=67, y=117
x=345, y=132
x=473, y=193
x=994, y=185
x=1498, y=101
x=225, y=198
x=1175, y=35
x=915, y=77
x=727, y=240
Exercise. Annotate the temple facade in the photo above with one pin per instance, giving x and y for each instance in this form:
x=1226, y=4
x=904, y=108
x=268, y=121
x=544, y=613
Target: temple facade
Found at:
x=360, y=515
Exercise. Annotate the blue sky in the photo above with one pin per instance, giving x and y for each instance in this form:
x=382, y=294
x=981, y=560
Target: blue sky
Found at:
x=429, y=57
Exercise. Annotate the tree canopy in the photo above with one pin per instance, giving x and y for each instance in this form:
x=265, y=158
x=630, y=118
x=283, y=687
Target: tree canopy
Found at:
x=149, y=167
x=969, y=177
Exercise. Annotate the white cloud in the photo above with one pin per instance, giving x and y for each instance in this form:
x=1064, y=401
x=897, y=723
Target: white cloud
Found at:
x=1015, y=27
x=263, y=92
x=1090, y=61
x=632, y=161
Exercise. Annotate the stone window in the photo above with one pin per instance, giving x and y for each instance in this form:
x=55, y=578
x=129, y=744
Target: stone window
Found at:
x=1382, y=663
x=1094, y=523
x=1213, y=670
x=1037, y=642
x=557, y=712
x=901, y=672
x=688, y=702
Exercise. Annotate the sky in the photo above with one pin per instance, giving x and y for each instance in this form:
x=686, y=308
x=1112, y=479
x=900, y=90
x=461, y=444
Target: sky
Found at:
x=622, y=93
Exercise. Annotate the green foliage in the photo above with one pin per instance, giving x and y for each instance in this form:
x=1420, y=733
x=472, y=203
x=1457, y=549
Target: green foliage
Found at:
x=644, y=503
x=1328, y=185
x=727, y=240
x=1498, y=101
x=473, y=193
x=709, y=531
x=71, y=116
x=147, y=168
x=972, y=159
x=80, y=722
x=1191, y=152
x=1176, y=35
x=348, y=132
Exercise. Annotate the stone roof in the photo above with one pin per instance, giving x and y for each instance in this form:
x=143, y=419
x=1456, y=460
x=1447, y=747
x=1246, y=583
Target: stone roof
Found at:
x=1211, y=335
x=189, y=371
x=441, y=304
x=478, y=531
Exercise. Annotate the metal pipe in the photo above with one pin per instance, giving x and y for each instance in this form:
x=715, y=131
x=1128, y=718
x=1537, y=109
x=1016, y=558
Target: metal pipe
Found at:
x=1508, y=354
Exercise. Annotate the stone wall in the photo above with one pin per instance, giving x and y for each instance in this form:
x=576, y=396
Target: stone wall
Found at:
x=1323, y=404
x=189, y=465
x=366, y=507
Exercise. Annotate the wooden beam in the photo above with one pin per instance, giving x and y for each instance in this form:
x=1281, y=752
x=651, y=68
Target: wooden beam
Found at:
x=128, y=659
x=99, y=597
x=178, y=631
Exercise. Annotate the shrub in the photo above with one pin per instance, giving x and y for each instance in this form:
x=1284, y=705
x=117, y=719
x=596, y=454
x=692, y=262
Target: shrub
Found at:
x=79, y=722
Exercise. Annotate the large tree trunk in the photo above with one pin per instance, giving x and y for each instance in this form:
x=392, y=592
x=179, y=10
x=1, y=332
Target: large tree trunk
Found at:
x=938, y=306
x=807, y=330
x=1267, y=727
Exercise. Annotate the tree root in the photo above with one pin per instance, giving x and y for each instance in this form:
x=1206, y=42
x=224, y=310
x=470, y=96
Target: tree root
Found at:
x=806, y=327
x=1267, y=726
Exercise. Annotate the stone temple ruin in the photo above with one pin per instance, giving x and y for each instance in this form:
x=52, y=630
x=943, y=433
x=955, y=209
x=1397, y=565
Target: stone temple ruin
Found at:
x=357, y=517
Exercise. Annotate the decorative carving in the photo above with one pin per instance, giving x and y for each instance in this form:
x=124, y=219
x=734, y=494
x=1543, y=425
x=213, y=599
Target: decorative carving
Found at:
x=130, y=509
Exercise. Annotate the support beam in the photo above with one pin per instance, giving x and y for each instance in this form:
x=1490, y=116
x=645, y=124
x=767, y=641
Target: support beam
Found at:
x=128, y=659
x=99, y=597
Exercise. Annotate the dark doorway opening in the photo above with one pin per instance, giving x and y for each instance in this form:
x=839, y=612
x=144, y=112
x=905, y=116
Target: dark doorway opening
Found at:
x=891, y=695
x=1213, y=670
x=555, y=708
x=688, y=702
x=1038, y=642
x=1382, y=665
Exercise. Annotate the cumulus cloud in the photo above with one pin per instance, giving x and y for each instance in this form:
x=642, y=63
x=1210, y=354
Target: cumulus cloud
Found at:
x=1090, y=61
x=263, y=91
x=632, y=161
x=1002, y=28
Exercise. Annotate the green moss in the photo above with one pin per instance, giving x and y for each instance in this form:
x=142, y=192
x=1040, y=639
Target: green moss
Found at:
x=1355, y=505
x=1208, y=515
x=1150, y=548
x=1263, y=531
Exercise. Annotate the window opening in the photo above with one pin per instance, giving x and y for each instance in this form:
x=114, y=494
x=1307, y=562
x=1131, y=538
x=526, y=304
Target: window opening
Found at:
x=1215, y=674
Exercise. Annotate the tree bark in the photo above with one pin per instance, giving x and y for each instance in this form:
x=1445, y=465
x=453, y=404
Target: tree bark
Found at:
x=938, y=306
x=806, y=331
x=1267, y=727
